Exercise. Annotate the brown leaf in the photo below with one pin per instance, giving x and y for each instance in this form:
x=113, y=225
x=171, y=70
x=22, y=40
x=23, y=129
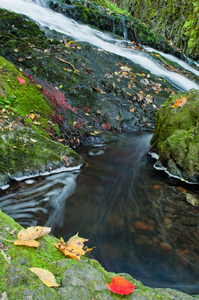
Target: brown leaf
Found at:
x=179, y=102
x=141, y=225
x=45, y=276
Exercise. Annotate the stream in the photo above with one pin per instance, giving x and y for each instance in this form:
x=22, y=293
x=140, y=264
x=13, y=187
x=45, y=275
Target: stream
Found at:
x=137, y=217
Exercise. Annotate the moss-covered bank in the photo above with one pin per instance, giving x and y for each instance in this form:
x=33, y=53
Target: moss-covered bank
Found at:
x=84, y=279
x=176, y=136
x=104, y=18
x=26, y=127
x=176, y=20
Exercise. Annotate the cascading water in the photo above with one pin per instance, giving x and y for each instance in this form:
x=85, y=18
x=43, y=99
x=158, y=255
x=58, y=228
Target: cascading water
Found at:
x=38, y=11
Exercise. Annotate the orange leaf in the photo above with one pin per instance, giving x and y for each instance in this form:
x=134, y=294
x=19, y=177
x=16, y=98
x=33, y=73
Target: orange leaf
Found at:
x=73, y=248
x=120, y=285
x=141, y=225
x=179, y=102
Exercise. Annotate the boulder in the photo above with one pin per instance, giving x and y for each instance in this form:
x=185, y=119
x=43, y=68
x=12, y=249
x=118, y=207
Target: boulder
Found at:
x=176, y=135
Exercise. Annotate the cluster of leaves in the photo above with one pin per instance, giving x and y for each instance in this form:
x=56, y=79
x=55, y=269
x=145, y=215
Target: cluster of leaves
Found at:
x=73, y=248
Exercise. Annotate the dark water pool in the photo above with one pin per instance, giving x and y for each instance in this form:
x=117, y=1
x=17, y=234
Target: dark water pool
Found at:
x=137, y=217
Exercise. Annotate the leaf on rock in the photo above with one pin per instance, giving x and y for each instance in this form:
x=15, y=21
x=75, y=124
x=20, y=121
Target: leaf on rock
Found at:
x=45, y=276
x=27, y=236
x=33, y=233
x=120, y=285
x=73, y=248
x=21, y=80
x=179, y=102
x=30, y=243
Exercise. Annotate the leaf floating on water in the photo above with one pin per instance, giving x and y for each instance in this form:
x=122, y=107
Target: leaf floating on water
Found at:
x=179, y=102
x=120, y=286
x=73, y=248
x=45, y=276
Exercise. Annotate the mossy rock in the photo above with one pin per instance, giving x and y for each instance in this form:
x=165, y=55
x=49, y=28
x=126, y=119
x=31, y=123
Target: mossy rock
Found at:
x=25, y=117
x=84, y=279
x=24, y=152
x=176, y=136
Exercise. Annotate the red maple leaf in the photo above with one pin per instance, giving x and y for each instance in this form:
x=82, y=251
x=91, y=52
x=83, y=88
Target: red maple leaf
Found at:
x=21, y=80
x=106, y=126
x=120, y=285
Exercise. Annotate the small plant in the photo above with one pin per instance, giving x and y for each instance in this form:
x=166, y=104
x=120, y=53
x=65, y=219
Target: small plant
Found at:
x=34, y=69
x=7, y=102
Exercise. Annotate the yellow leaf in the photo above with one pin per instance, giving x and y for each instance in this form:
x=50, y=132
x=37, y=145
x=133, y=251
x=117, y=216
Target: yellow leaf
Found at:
x=73, y=248
x=29, y=243
x=31, y=116
x=179, y=102
x=45, y=276
x=125, y=68
x=132, y=109
x=33, y=233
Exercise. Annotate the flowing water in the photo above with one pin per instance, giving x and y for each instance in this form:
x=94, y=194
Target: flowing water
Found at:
x=137, y=217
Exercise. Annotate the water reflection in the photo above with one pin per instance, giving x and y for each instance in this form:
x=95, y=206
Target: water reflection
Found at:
x=137, y=217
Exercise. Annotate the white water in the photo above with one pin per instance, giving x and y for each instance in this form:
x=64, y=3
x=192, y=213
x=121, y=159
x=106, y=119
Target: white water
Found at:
x=38, y=11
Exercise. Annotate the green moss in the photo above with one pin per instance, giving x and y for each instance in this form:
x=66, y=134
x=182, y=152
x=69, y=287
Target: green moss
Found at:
x=176, y=135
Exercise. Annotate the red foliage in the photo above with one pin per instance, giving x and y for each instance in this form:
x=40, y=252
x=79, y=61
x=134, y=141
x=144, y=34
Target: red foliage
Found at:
x=120, y=285
x=86, y=109
x=55, y=97
x=21, y=80
x=57, y=119
x=106, y=126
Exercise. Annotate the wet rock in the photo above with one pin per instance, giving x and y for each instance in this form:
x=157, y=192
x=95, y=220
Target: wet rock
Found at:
x=189, y=221
x=176, y=136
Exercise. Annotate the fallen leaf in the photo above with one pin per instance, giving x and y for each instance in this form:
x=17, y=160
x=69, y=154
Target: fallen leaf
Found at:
x=141, y=225
x=179, y=102
x=192, y=200
x=29, y=243
x=33, y=140
x=156, y=186
x=7, y=257
x=27, y=236
x=120, y=285
x=144, y=81
x=45, y=276
x=95, y=88
x=73, y=248
x=31, y=116
x=106, y=126
x=165, y=246
x=125, y=68
x=21, y=80
x=132, y=109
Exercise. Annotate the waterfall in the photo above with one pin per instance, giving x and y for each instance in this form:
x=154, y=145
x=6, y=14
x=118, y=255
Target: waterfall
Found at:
x=38, y=11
